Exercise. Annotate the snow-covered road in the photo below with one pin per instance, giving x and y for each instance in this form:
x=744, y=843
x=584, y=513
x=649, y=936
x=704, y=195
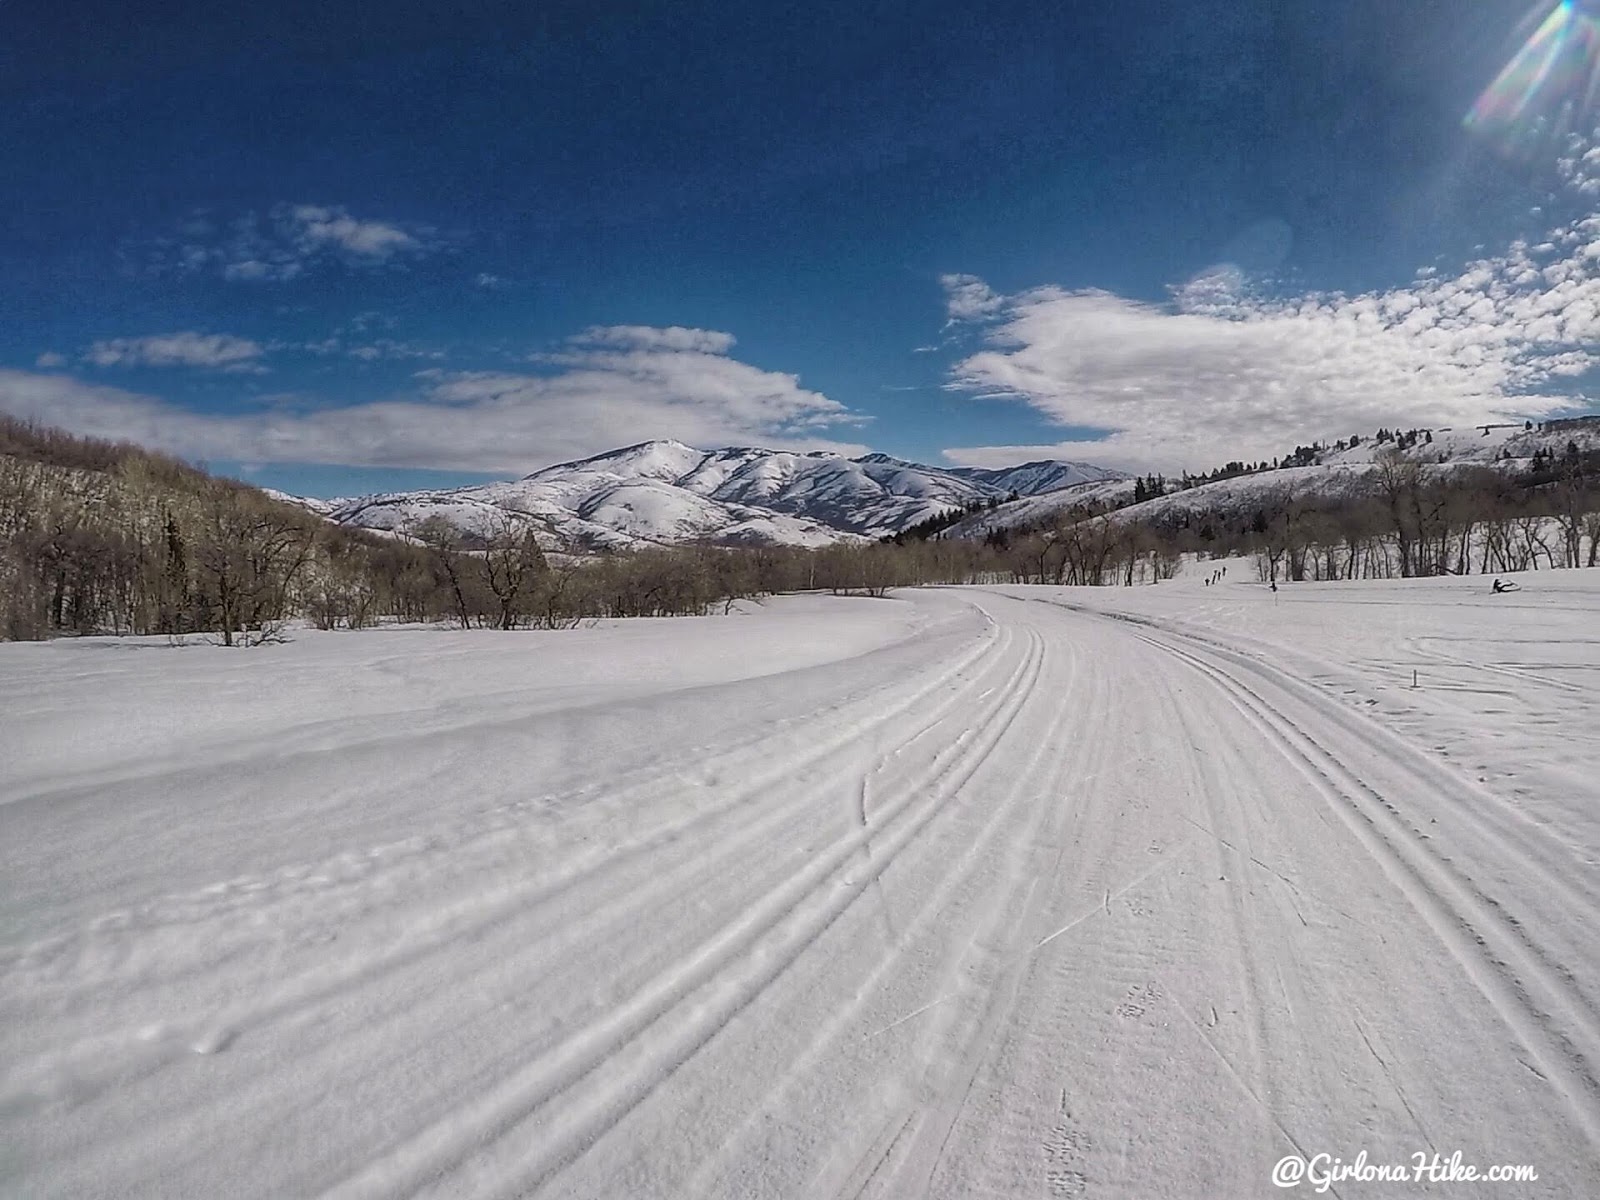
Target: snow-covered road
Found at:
x=973, y=892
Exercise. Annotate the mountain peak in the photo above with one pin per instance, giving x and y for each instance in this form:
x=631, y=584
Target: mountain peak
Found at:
x=665, y=451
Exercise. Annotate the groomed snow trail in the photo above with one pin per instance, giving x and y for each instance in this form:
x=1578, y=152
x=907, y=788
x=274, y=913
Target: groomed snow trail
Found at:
x=1004, y=898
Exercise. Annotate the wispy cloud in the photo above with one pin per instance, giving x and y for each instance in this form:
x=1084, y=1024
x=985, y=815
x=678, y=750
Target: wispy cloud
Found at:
x=215, y=351
x=374, y=241
x=366, y=337
x=50, y=360
x=376, y=350
x=608, y=387
x=652, y=338
x=284, y=243
x=1220, y=372
x=968, y=298
x=390, y=350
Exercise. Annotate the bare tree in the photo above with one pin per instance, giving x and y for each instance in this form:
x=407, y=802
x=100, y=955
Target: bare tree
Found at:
x=1398, y=480
x=447, y=563
x=248, y=561
x=512, y=562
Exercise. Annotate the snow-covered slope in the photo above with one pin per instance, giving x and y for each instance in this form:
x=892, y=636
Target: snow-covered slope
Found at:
x=322, y=508
x=620, y=515
x=1036, y=478
x=1031, y=511
x=666, y=492
x=1486, y=444
x=1246, y=493
x=1332, y=473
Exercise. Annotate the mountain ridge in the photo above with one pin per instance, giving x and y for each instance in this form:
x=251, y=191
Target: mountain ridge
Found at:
x=664, y=492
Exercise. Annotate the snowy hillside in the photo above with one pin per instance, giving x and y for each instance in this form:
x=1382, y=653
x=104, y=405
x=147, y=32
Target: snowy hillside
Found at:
x=1261, y=490
x=621, y=515
x=1485, y=444
x=1036, y=478
x=666, y=492
x=1333, y=472
x=1030, y=511
x=963, y=893
x=322, y=508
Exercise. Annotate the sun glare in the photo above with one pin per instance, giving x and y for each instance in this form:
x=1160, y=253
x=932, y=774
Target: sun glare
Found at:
x=1549, y=88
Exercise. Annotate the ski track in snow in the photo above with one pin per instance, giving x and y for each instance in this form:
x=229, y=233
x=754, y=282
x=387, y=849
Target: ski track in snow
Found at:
x=1011, y=892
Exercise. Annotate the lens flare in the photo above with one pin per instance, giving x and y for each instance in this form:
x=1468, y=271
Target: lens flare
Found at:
x=1550, y=87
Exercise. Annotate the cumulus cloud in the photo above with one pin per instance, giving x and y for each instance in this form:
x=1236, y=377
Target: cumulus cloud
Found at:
x=1220, y=373
x=1580, y=167
x=284, y=243
x=610, y=387
x=217, y=351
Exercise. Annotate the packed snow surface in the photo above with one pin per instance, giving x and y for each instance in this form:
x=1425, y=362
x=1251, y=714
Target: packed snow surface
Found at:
x=1038, y=892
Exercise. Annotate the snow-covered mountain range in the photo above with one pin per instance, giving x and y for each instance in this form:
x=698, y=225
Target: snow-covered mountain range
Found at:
x=663, y=492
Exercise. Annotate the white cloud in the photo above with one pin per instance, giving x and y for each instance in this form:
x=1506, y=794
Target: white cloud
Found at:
x=218, y=351
x=50, y=359
x=1221, y=374
x=373, y=240
x=613, y=387
x=93, y=410
x=284, y=243
x=387, y=349
x=650, y=337
x=254, y=270
x=363, y=337
x=968, y=298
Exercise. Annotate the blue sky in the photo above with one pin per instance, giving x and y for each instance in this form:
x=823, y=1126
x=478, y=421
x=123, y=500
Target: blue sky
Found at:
x=338, y=248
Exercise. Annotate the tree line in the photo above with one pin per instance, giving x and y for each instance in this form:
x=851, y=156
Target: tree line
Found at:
x=1403, y=519
x=101, y=537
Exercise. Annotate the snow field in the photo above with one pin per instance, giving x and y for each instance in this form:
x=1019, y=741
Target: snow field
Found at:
x=971, y=892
